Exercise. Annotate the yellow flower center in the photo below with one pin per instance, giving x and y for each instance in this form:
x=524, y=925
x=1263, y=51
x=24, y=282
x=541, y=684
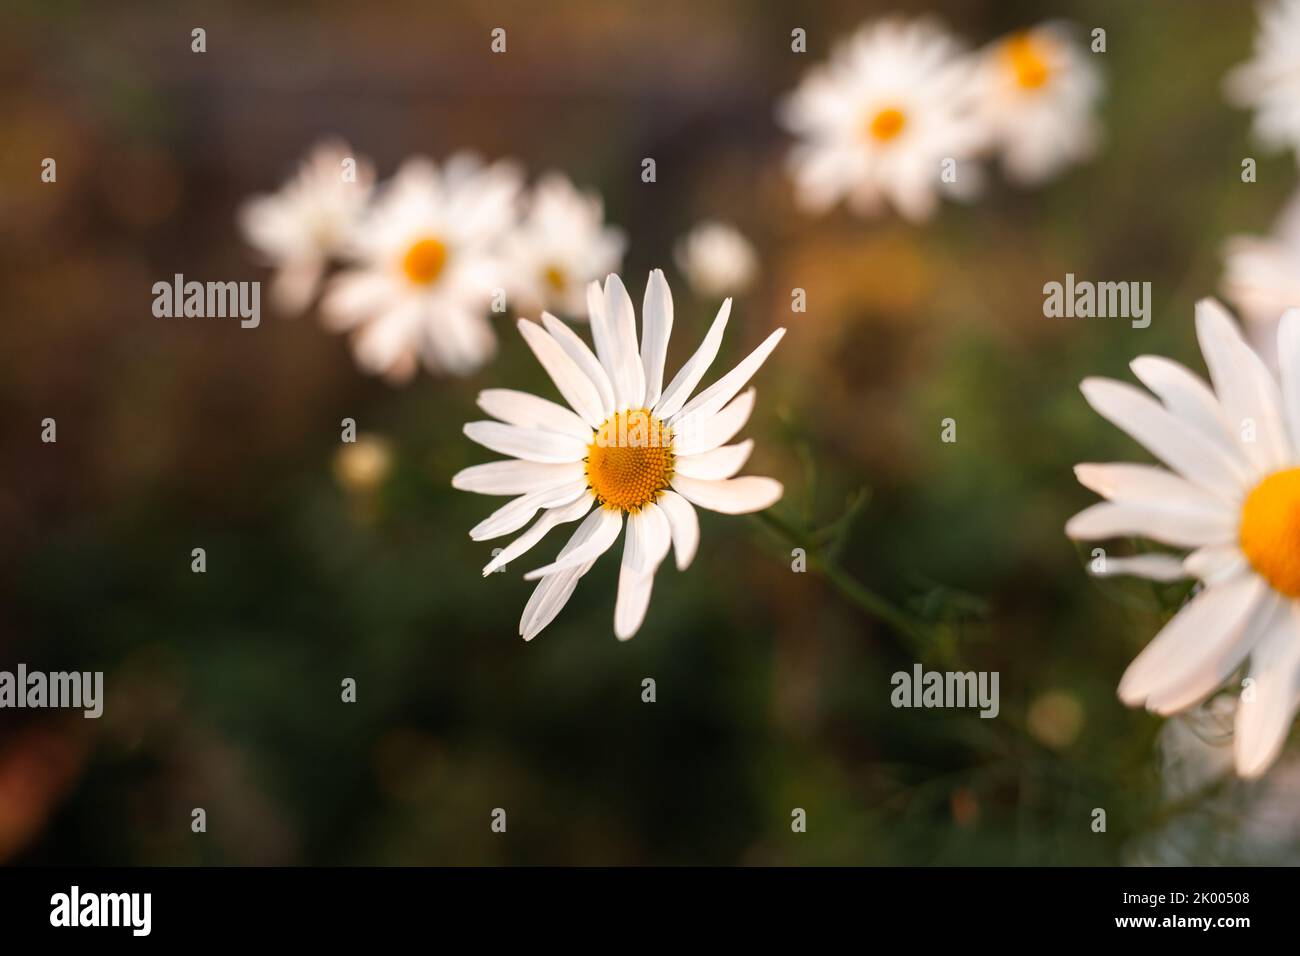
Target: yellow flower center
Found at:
x=630, y=460
x=886, y=124
x=1025, y=57
x=424, y=261
x=556, y=278
x=1270, y=530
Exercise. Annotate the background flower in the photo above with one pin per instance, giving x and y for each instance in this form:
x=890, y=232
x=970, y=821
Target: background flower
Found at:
x=717, y=259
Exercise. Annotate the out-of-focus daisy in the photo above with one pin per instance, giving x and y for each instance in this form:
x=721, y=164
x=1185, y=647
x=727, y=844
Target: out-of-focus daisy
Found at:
x=1232, y=496
x=427, y=266
x=561, y=245
x=717, y=259
x=299, y=229
x=1261, y=277
x=625, y=447
x=878, y=120
x=1036, y=92
x=1269, y=83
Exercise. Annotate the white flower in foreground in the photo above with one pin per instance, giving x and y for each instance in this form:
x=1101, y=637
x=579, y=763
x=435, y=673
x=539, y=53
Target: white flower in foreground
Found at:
x=878, y=120
x=299, y=229
x=1036, y=92
x=561, y=245
x=427, y=266
x=717, y=259
x=1270, y=83
x=624, y=446
x=1261, y=277
x=1232, y=497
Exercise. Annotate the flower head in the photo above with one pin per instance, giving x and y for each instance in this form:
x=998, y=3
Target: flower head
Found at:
x=1261, y=277
x=1230, y=496
x=625, y=450
x=1269, y=83
x=717, y=259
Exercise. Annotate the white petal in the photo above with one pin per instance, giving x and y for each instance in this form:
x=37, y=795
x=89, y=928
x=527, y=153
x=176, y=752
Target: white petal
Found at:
x=627, y=373
x=553, y=592
x=1181, y=527
x=585, y=359
x=529, y=411
x=598, y=318
x=1170, y=439
x=712, y=399
x=1215, y=615
x=1264, y=715
x=1215, y=563
x=576, y=387
x=735, y=496
x=632, y=602
x=530, y=444
x=1186, y=396
x=548, y=520
x=1122, y=481
x=1288, y=352
x=607, y=527
x=647, y=544
x=700, y=434
x=517, y=512
x=712, y=465
x=684, y=524
x=656, y=328
x=684, y=382
x=1244, y=385
x=1154, y=567
x=514, y=477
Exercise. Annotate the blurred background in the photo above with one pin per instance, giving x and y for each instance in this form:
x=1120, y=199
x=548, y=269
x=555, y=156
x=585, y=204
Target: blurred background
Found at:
x=773, y=687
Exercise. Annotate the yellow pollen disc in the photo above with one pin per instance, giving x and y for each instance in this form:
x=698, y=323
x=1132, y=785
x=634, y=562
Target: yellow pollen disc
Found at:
x=630, y=460
x=424, y=261
x=556, y=278
x=1025, y=57
x=886, y=124
x=1270, y=530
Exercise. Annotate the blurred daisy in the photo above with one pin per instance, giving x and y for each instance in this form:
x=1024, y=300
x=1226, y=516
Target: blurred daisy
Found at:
x=1261, y=277
x=625, y=447
x=880, y=118
x=1036, y=92
x=1270, y=83
x=299, y=229
x=427, y=267
x=561, y=245
x=1231, y=496
x=717, y=259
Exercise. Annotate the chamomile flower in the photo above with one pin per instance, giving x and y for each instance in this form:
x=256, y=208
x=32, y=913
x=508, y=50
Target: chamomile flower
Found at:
x=1036, y=92
x=878, y=122
x=427, y=266
x=561, y=245
x=717, y=259
x=305, y=225
x=1261, y=277
x=1269, y=83
x=626, y=450
x=1230, y=496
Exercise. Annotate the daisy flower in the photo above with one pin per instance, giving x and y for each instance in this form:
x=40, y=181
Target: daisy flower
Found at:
x=1231, y=497
x=1261, y=277
x=1270, y=82
x=299, y=229
x=426, y=267
x=561, y=245
x=1036, y=92
x=716, y=258
x=877, y=121
x=625, y=447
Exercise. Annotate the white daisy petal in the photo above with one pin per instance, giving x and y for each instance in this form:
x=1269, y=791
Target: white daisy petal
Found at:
x=607, y=527
x=734, y=496
x=627, y=373
x=700, y=434
x=712, y=465
x=1264, y=714
x=1154, y=567
x=598, y=319
x=550, y=596
x=529, y=411
x=712, y=399
x=656, y=328
x=1148, y=484
x=648, y=540
x=573, y=384
x=1180, y=527
x=530, y=444
x=1203, y=627
x=684, y=382
x=684, y=524
x=548, y=520
x=1288, y=351
x=585, y=359
x=1186, y=396
x=517, y=512
x=514, y=477
x=1214, y=563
